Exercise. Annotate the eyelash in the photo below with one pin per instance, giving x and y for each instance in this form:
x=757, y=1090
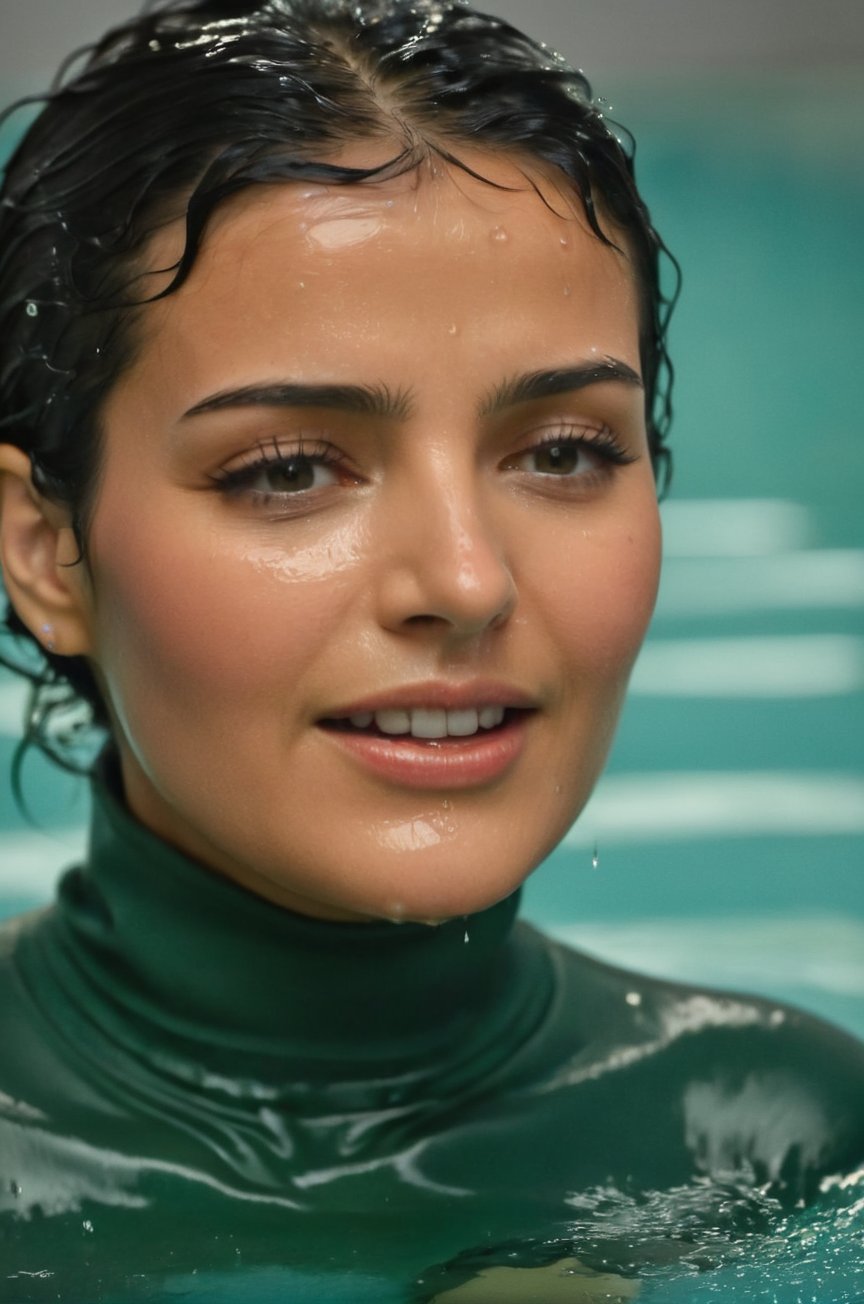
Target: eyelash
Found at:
x=235, y=481
x=602, y=442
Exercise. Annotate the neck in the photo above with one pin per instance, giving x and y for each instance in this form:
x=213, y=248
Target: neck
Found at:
x=172, y=954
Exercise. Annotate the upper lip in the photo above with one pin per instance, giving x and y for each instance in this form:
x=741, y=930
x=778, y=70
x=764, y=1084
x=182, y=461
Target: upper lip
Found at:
x=438, y=695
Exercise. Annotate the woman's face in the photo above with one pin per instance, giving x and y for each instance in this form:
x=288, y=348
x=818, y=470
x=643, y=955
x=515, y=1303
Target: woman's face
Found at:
x=377, y=478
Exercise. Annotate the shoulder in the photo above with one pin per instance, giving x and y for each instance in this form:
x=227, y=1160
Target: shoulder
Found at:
x=752, y=1083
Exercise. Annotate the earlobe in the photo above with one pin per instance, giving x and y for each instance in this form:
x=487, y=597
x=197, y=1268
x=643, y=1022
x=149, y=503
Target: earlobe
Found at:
x=38, y=552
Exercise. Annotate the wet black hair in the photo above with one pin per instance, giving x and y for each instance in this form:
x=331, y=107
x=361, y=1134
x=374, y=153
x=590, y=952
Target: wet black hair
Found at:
x=190, y=103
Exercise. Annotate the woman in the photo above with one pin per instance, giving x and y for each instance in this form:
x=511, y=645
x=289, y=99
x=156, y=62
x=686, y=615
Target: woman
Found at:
x=334, y=387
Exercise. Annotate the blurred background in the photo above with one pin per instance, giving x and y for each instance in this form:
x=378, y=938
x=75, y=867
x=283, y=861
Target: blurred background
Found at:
x=726, y=842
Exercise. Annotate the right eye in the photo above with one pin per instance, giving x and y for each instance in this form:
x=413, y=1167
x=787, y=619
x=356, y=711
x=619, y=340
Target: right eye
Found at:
x=276, y=474
x=282, y=475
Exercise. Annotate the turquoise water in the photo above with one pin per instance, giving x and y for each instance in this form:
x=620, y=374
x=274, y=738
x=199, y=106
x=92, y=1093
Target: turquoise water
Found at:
x=729, y=829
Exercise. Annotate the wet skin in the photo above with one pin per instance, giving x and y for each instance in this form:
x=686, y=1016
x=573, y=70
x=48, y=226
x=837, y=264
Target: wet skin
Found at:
x=461, y=543
x=190, y=1068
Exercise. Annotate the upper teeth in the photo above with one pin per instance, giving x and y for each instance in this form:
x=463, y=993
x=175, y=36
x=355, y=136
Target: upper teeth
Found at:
x=421, y=722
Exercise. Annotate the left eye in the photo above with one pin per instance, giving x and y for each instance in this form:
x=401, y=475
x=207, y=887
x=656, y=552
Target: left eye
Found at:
x=565, y=458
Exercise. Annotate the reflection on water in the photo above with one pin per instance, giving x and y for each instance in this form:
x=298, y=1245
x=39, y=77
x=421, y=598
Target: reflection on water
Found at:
x=706, y=1243
x=703, y=1242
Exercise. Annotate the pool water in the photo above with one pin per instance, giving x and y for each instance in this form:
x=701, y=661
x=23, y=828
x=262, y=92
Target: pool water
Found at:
x=726, y=843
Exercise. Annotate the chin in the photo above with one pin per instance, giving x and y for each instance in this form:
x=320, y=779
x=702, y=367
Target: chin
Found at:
x=443, y=896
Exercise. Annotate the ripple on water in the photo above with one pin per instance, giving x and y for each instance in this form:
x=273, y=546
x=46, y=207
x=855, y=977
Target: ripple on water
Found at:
x=705, y=1242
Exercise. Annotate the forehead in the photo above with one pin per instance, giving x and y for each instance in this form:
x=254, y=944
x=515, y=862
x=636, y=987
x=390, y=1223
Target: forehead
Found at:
x=318, y=273
x=500, y=196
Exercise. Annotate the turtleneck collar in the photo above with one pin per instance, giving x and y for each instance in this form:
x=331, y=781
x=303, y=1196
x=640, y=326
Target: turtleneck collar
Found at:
x=175, y=962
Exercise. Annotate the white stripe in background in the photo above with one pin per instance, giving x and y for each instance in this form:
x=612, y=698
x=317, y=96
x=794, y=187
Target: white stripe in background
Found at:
x=31, y=862
x=13, y=696
x=800, y=665
x=673, y=807
x=825, y=952
x=734, y=527
x=825, y=578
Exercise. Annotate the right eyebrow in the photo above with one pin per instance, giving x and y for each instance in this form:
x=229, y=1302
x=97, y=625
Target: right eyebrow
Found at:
x=367, y=400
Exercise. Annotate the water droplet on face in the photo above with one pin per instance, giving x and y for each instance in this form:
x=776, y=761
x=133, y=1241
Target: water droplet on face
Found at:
x=564, y=242
x=499, y=235
x=453, y=330
x=595, y=859
x=31, y=309
x=301, y=285
x=568, y=290
x=633, y=998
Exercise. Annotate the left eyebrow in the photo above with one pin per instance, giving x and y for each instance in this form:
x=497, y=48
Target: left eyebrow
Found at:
x=366, y=400
x=562, y=380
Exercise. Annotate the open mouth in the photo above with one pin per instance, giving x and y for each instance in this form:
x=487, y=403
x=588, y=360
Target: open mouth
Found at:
x=424, y=724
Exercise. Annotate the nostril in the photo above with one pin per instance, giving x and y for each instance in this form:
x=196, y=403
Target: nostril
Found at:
x=425, y=620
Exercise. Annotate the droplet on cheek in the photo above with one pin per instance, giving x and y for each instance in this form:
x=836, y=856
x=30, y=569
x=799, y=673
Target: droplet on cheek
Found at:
x=499, y=235
x=568, y=290
x=564, y=242
x=453, y=330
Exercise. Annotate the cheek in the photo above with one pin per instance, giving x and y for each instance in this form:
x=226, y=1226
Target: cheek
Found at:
x=604, y=598
x=190, y=615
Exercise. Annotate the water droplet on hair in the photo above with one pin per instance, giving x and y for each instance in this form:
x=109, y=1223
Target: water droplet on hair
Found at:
x=155, y=46
x=466, y=938
x=32, y=309
x=595, y=859
x=14, y=1188
x=88, y=1226
x=499, y=235
x=633, y=998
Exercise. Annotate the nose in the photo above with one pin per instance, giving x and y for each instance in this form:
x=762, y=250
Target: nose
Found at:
x=442, y=563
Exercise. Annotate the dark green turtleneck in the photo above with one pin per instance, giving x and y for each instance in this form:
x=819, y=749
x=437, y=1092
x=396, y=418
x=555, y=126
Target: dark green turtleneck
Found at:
x=202, y=1092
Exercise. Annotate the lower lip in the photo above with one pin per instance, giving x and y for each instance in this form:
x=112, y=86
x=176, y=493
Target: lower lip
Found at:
x=447, y=763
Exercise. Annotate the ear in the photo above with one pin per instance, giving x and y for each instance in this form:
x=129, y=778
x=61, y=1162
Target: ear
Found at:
x=38, y=556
